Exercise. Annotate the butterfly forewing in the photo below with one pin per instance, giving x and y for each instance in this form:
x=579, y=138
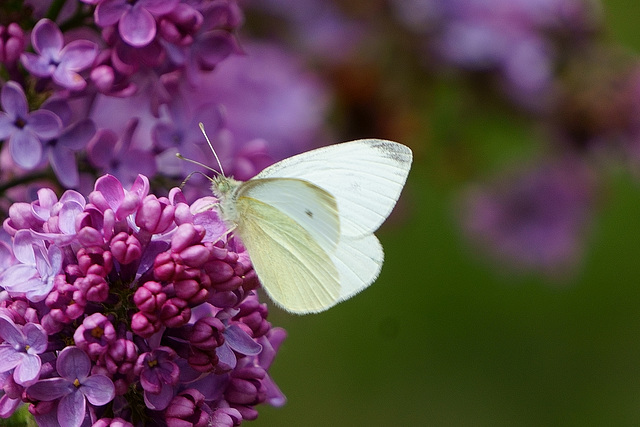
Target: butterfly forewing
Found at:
x=294, y=269
x=313, y=208
x=365, y=177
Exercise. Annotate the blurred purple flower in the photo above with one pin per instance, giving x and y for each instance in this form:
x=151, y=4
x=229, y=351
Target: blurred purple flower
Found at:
x=535, y=221
x=20, y=350
x=25, y=130
x=267, y=94
x=74, y=137
x=53, y=59
x=136, y=22
x=113, y=154
x=74, y=387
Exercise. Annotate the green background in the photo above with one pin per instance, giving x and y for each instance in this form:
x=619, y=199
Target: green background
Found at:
x=444, y=338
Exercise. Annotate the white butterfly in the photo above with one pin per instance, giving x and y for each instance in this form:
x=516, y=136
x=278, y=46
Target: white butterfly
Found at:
x=307, y=222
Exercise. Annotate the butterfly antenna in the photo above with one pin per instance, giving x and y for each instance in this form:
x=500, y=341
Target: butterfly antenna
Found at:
x=195, y=162
x=211, y=146
x=191, y=174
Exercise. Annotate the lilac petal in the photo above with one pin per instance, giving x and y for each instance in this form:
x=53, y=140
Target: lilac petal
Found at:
x=160, y=401
x=54, y=255
x=98, y=389
x=111, y=189
x=215, y=46
x=60, y=107
x=137, y=26
x=50, y=389
x=78, y=135
x=240, y=341
x=9, y=357
x=159, y=7
x=10, y=333
x=63, y=163
x=79, y=54
x=7, y=126
x=44, y=124
x=14, y=101
x=8, y=406
x=37, y=65
x=72, y=409
x=68, y=79
x=17, y=274
x=23, y=247
x=102, y=147
x=109, y=12
x=28, y=370
x=67, y=217
x=26, y=149
x=73, y=364
x=46, y=36
x=36, y=337
x=226, y=357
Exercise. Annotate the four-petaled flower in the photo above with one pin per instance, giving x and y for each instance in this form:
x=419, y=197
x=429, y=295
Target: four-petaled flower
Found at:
x=53, y=59
x=25, y=130
x=74, y=387
x=20, y=350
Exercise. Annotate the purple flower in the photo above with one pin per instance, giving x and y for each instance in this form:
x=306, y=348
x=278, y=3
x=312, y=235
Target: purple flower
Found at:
x=34, y=277
x=136, y=22
x=74, y=387
x=158, y=374
x=73, y=137
x=113, y=154
x=94, y=335
x=535, y=221
x=53, y=59
x=25, y=130
x=20, y=350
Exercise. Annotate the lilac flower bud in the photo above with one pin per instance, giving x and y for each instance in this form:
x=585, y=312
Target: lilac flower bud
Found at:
x=112, y=422
x=89, y=259
x=202, y=361
x=126, y=248
x=145, y=324
x=254, y=315
x=94, y=335
x=207, y=333
x=94, y=287
x=226, y=417
x=193, y=291
x=12, y=42
x=188, y=408
x=175, y=313
x=121, y=357
x=179, y=26
x=155, y=215
x=246, y=387
x=150, y=297
x=165, y=267
x=66, y=302
x=186, y=235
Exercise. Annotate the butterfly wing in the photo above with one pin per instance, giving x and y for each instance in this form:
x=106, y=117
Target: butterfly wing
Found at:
x=290, y=229
x=365, y=177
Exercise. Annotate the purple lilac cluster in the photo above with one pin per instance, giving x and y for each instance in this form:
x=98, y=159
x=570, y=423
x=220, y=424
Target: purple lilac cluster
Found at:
x=130, y=309
x=112, y=86
x=520, y=42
